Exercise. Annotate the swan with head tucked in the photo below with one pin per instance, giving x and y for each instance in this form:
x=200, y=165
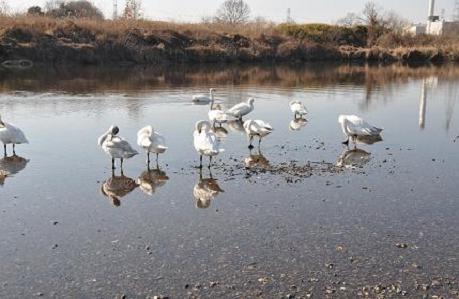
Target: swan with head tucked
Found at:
x=10, y=134
x=217, y=115
x=151, y=141
x=298, y=108
x=204, y=98
x=257, y=128
x=354, y=127
x=241, y=109
x=205, y=141
x=115, y=146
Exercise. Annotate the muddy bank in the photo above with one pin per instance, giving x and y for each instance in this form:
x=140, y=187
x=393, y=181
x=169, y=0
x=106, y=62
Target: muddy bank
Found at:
x=70, y=43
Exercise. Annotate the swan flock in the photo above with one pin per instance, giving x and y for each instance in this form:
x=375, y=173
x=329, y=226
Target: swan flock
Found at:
x=206, y=136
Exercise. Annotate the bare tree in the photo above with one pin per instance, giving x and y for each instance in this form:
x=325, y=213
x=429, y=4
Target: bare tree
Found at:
x=53, y=4
x=233, y=12
x=394, y=22
x=350, y=19
x=374, y=22
x=76, y=9
x=133, y=9
x=4, y=8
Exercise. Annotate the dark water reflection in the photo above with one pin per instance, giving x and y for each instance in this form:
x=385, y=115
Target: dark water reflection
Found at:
x=249, y=225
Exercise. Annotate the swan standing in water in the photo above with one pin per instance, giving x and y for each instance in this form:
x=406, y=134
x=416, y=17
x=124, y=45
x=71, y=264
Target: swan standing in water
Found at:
x=115, y=146
x=206, y=142
x=203, y=98
x=241, y=109
x=217, y=115
x=298, y=108
x=152, y=142
x=10, y=134
x=354, y=127
x=257, y=128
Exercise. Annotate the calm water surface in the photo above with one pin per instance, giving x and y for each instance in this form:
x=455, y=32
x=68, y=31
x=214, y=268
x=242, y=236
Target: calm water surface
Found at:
x=388, y=228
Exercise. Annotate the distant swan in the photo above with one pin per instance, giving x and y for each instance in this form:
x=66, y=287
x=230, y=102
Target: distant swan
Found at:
x=241, y=109
x=115, y=146
x=257, y=128
x=298, y=108
x=10, y=134
x=354, y=126
x=151, y=141
x=203, y=98
x=205, y=141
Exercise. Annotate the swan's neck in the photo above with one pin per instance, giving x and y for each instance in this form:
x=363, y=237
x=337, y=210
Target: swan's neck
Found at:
x=211, y=100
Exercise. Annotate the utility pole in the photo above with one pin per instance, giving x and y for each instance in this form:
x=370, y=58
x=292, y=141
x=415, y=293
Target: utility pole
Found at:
x=115, y=9
x=456, y=11
x=289, y=16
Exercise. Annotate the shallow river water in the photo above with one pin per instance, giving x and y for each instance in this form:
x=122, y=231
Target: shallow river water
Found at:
x=279, y=222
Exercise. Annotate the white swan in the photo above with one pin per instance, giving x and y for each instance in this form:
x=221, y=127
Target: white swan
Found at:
x=217, y=115
x=354, y=126
x=206, y=142
x=298, y=108
x=241, y=109
x=115, y=146
x=151, y=141
x=10, y=134
x=257, y=128
x=203, y=98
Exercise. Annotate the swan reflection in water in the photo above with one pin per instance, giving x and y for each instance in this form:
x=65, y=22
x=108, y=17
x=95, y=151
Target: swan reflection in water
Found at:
x=9, y=166
x=297, y=124
x=353, y=158
x=151, y=179
x=257, y=160
x=205, y=190
x=116, y=187
x=220, y=132
x=236, y=125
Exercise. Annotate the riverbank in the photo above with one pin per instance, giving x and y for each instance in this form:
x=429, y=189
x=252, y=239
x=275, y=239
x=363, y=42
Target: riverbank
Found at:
x=91, y=42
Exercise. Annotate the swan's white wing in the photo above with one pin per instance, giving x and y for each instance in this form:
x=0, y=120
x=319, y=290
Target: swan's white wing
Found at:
x=206, y=143
x=159, y=141
x=12, y=134
x=357, y=126
x=298, y=107
x=239, y=109
x=117, y=143
x=261, y=126
x=144, y=141
x=201, y=98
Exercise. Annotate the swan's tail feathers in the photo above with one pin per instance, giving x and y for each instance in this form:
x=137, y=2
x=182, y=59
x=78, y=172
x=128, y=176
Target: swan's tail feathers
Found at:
x=131, y=154
x=162, y=148
x=375, y=131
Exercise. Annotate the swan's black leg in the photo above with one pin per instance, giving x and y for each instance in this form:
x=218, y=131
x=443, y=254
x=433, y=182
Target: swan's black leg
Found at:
x=157, y=158
x=14, y=149
x=259, y=142
x=200, y=161
x=4, y=150
x=148, y=158
x=122, y=160
x=250, y=143
x=113, y=163
x=346, y=142
x=210, y=161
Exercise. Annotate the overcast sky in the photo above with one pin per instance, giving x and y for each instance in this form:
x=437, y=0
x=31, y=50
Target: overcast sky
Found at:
x=301, y=10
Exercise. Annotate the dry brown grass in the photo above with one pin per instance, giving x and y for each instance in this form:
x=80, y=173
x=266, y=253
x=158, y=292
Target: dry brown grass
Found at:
x=119, y=27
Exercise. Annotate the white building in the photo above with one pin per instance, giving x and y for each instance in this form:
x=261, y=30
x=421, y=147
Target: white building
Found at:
x=435, y=25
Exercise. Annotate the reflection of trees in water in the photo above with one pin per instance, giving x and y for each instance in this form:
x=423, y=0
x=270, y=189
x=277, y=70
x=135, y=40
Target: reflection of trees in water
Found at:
x=379, y=82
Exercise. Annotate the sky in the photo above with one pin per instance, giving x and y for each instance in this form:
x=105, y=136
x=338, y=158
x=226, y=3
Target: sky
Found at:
x=302, y=11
